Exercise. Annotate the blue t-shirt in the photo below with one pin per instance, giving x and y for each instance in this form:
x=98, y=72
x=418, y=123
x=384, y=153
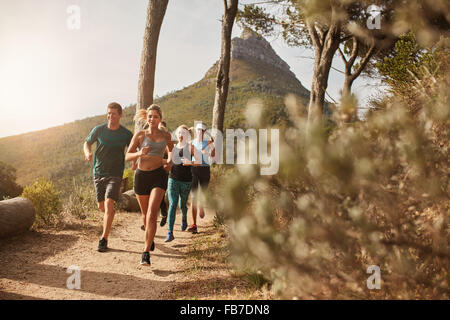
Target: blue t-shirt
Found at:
x=199, y=146
x=109, y=157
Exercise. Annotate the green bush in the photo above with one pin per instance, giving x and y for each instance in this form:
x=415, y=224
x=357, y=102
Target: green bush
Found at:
x=45, y=200
x=128, y=173
x=81, y=200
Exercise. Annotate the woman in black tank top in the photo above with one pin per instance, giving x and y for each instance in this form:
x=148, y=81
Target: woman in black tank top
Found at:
x=180, y=179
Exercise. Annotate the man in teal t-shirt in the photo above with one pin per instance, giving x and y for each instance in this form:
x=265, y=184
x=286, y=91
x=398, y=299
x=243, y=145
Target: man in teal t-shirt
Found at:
x=109, y=162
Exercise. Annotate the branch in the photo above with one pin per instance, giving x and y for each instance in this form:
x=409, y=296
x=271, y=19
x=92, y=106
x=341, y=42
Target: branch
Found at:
x=354, y=55
x=313, y=34
x=343, y=57
x=364, y=61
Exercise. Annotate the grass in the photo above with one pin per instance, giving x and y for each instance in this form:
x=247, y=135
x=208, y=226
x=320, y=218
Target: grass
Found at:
x=210, y=275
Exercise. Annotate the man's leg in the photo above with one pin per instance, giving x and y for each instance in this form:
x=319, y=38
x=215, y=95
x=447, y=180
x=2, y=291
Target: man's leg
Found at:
x=101, y=206
x=111, y=194
x=108, y=217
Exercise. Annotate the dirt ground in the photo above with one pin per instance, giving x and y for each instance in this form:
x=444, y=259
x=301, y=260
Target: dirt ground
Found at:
x=34, y=265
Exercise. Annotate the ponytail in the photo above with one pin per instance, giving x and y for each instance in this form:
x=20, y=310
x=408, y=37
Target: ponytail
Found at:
x=141, y=117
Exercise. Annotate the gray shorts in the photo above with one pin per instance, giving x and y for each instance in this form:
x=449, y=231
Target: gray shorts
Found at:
x=107, y=187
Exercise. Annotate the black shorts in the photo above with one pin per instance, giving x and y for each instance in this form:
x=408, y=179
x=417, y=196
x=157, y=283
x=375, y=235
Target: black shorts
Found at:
x=107, y=187
x=145, y=181
x=200, y=176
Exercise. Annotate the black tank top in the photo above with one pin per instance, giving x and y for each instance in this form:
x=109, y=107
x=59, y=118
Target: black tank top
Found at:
x=178, y=171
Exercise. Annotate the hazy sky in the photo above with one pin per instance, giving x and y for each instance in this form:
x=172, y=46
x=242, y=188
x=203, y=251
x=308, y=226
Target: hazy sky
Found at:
x=50, y=74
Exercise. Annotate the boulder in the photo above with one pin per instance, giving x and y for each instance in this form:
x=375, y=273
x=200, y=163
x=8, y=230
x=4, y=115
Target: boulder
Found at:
x=16, y=216
x=128, y=201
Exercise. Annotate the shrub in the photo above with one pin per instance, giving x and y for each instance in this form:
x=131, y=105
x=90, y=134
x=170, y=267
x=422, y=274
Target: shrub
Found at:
x=128, y=173
x=81, y=200
x=45, y=200
x=366, y=193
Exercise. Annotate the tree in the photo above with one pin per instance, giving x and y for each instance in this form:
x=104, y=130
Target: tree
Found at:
x=155, y=16
x=323, y=25
x=223, y=79
x=8, y=186
x=402, y=66
x=353, y=71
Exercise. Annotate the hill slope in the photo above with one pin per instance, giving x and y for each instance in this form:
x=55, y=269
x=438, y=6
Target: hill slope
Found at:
x=256, y=71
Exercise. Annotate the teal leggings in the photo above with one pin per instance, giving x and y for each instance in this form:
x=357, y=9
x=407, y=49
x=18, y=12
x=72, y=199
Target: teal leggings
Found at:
x=177, y=189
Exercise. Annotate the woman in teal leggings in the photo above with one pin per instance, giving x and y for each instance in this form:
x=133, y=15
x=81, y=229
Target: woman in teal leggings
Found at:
x=180, y=181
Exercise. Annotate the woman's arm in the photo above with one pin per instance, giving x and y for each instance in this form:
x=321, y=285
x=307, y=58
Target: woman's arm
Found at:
x=168, y=162
x=132, y=153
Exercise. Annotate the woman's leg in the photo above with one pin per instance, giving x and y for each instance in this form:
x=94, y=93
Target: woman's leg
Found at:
x=185, y=188
x=173, y=191
x=143, y=204
x=156, y=195
x=204, y=178
x=194, y=188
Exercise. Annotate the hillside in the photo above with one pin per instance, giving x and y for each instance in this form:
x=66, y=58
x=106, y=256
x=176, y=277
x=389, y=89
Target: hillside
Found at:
x=256, y=71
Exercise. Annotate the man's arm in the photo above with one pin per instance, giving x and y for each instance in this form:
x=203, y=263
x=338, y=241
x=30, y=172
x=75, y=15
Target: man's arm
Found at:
x=87, y=151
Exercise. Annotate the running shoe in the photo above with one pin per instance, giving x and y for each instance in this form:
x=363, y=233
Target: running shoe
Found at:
x=143, y=228
x=163, y=221
x=169, y=237
x=145, y=260
x=183, y=225
x=102, y=245
x=193, y=228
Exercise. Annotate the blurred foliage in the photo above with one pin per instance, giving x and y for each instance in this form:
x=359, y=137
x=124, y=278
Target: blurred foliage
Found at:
x=45, y=200
x=8, y=186
x=363, y=193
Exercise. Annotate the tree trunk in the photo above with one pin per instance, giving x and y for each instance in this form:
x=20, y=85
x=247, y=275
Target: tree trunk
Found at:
x=347, y=88
x=326, y=42
x=16, y=216
x=223, y=79
x=155, y=16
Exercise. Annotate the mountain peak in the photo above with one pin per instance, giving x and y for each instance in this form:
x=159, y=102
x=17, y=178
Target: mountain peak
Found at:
x=252, y=46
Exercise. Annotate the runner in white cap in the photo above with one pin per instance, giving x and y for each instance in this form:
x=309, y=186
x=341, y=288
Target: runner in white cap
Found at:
x=200, y=170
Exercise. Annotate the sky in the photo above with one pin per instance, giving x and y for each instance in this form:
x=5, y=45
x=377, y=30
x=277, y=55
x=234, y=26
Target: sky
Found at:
x=55, y=71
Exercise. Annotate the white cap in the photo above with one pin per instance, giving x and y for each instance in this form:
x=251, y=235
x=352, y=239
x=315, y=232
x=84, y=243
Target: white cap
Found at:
x=200, y=126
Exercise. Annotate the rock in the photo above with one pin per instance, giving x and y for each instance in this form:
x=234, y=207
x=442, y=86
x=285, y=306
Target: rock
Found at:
x=128, y=201
x=16, y=216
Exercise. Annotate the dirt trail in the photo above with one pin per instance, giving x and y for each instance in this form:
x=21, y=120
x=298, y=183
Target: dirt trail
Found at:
x=34, y=265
